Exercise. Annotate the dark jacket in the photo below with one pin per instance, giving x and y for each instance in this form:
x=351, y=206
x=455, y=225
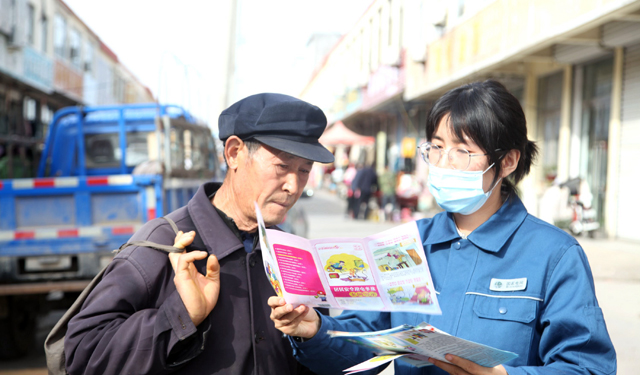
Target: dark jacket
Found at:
x=134, y=321
x=365, y=179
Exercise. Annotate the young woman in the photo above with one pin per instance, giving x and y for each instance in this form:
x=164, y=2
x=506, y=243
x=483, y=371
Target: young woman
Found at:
x=477, y=152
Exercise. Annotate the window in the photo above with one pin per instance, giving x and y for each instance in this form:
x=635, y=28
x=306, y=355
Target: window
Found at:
x=549, y=108
x=31, y=24
x=177, y=148
x=119, y=86
x=370, y=44
x=59, y=35
x=103, y=150
x=197, y=145
x=88, y=56
x=44, y=33
x=379, y=41
x=137, y=148
x=74, y=47
x=361, y=41
x=29, y=108
x=461, y=8
x=390, y=35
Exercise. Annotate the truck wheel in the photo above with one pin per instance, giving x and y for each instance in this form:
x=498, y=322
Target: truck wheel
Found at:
x=17, y=329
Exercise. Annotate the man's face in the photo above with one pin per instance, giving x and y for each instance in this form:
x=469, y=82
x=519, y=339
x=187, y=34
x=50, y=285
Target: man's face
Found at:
x=273, y=179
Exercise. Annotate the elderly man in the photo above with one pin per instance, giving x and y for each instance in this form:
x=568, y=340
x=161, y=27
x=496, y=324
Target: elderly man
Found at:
x=152, y=316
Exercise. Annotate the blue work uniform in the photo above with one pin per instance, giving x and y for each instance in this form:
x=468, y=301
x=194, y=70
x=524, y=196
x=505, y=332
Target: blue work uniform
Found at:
x=516, y=283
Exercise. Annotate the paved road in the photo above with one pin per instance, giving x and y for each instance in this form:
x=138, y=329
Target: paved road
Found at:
x=615, y=265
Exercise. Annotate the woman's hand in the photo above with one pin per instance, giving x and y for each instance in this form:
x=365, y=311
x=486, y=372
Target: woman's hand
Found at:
x=461, y=366
x=301, y=321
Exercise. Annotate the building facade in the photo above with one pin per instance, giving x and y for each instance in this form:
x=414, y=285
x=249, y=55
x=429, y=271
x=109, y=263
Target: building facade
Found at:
x=575, y=66
x=50, y=59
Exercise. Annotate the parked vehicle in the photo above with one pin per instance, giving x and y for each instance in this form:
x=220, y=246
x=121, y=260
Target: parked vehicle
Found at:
x=104, y=172
x=584, y=218
x=568, y=205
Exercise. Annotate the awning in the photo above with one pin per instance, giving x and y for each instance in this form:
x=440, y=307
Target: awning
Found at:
x=339, y=134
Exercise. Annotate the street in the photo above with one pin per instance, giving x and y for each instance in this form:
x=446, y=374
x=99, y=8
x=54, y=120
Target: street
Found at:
x=615, y=266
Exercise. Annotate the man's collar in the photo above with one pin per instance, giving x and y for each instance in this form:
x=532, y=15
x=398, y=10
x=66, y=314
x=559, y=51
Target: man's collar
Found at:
x=491, y=235
x=227, y=220
x=210, y=224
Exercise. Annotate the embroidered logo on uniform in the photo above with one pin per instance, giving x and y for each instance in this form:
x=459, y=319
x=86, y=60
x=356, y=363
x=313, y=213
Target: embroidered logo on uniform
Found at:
x=508, y=285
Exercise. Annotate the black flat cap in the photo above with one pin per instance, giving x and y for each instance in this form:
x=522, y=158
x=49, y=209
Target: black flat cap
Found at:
x=280, y=121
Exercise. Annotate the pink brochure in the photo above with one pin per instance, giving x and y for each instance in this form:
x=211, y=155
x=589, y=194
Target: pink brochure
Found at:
x=387, y=271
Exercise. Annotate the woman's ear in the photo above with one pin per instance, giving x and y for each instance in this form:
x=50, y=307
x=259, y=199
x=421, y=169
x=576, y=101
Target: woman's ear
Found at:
x=232, y=151
x=509, y=163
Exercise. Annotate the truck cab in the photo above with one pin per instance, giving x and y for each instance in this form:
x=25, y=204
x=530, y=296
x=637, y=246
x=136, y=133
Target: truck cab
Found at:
x=104, y=172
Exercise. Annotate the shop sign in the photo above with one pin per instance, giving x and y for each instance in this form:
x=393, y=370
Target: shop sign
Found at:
x=385, y=83
x=354, y=101
x=67, y=80
x=408, y=147
x=38, y=68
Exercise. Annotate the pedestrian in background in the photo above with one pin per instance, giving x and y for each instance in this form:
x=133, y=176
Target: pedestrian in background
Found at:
x=387, y=182
x=205, y=312
x=349, y=175
x=363, y=185
x=503, y=277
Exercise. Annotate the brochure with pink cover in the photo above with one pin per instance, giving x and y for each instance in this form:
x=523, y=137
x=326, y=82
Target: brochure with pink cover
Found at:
x=387, y=271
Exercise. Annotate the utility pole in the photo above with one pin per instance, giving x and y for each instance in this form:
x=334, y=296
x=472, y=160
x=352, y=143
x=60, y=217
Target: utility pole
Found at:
x=231, y=57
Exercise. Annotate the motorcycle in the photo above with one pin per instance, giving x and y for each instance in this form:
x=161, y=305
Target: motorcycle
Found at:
x=569, y=205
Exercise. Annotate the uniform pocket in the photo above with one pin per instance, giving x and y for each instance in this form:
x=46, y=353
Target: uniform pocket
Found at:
x=521, y=310
x=506, y=323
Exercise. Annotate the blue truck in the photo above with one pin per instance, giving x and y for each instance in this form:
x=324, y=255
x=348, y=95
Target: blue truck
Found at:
x=103, y=173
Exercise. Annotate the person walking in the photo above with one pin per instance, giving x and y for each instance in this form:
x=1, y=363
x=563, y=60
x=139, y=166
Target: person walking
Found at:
x=503, y=277
x=363, y=185
x=205, y=311
x=349, y=175
x=387, y=182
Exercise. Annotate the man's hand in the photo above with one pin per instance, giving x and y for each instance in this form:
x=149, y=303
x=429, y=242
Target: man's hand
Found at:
x=461, y=366
x=198, y=292
x=301, y=321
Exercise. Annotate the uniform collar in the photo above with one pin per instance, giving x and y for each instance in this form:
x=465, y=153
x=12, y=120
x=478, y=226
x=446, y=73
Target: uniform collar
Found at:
x=212, y=229
x=491, y=235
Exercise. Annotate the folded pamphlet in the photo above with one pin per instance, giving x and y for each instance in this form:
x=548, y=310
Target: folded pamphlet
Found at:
x=415, y=345
x=387, y=271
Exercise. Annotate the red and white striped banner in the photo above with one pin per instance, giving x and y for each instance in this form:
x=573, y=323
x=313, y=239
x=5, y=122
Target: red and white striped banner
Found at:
x=151, y=202
x=117, y=180
x=67, y=182
x=31, y=183
x=48, y=233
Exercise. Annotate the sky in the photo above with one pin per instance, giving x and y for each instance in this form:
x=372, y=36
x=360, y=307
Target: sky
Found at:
x=179, y=49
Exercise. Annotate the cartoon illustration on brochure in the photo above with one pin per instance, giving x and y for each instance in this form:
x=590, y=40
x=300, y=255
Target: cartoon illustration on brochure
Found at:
x=346, y=267
x=273, y=278
x=419, y=294
x=396, y=257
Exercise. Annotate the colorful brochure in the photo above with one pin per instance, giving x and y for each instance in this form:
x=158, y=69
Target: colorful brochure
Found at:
x=387, y=271
x=415, y=345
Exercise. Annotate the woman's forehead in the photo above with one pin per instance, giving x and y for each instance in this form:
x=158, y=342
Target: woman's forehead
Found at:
x=445, y=132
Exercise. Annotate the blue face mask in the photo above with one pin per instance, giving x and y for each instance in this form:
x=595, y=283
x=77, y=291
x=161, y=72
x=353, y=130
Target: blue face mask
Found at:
x=458, y=191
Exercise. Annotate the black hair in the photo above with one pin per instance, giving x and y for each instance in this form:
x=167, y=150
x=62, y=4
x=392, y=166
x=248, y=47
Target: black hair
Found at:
x=252, y=147
x=492, y=117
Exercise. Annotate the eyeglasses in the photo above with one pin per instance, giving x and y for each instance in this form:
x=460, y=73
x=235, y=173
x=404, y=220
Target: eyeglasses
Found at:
x=459, y=158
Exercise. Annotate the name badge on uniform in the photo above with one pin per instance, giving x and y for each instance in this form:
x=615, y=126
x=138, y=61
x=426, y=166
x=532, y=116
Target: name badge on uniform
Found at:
x=508, y=285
